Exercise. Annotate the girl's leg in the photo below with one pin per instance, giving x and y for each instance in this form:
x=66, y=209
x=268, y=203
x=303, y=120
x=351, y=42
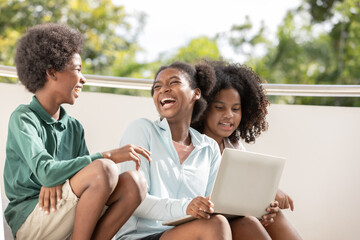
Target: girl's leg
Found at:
x=94, y=185
x=247, y=228
x=282, y=229
x=215, y=228
x=127, y=196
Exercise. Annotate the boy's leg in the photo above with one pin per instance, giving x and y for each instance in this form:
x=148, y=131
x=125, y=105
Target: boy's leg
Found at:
x=56, y=225
x=95, y=185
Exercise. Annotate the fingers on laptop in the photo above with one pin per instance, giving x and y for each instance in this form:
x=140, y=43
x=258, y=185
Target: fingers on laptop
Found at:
x=291, y=203
x=266, y=222
x=200, y=207
x=272, y=210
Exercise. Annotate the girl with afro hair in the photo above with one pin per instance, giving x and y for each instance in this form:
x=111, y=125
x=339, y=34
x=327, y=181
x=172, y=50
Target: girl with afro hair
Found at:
x=237, y=109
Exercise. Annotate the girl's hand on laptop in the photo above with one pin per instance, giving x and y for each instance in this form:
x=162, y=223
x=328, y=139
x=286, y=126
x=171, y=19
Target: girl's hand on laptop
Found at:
x=128, y=152
x=200, y=207
x=284, y=200
x=272, y=210
x=48, y=198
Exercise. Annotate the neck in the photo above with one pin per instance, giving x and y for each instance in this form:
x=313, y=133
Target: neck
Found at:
x=218, y=139
x=220, y=142
x=221, y=145
x=48, y=103
x=180, y=132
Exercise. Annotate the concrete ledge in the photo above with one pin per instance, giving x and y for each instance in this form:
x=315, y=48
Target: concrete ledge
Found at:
x=320, y=143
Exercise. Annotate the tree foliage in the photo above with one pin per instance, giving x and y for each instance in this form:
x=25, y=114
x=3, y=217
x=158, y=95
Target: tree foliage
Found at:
x=197, y=48
x=317, y=43
x=110, y=40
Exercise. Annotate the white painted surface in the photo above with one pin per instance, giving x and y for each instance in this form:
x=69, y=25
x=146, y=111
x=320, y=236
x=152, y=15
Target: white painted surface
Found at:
x=320, y=143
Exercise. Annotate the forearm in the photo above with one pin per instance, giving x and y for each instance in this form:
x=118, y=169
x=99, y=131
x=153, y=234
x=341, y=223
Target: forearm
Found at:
x=52, y=173
x=162, y=208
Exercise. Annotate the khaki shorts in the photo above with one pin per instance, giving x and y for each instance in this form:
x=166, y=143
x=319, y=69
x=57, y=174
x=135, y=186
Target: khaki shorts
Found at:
x=55, y=225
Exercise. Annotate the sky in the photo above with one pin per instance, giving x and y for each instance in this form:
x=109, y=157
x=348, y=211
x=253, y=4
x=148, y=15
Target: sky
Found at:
x=171, y=24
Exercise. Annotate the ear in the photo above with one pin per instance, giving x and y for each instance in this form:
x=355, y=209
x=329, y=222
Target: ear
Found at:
x=51, y=73
x=197, y=94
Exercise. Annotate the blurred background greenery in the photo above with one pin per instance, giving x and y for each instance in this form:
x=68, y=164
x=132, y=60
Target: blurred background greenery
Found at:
x=323, y=49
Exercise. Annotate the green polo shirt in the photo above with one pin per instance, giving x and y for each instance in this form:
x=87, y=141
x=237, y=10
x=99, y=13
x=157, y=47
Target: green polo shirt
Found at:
x=40, y=151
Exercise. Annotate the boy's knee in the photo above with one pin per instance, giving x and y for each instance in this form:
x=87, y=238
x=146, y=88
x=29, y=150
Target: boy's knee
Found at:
x=106, y=173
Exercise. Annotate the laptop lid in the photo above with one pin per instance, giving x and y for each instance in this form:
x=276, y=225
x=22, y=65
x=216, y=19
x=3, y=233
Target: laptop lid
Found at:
x=246, y=183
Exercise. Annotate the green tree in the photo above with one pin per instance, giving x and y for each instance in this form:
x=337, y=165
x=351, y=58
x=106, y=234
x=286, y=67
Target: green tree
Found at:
x=317, y=43
x=196, y=49
x=201, y=47
x=110, y=39
x=242, y=39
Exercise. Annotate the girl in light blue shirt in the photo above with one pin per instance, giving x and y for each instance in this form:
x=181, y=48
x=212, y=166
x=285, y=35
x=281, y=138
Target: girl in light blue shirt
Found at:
x=184, y=162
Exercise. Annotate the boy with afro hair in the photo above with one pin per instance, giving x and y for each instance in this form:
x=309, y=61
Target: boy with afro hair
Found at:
x=57, y=190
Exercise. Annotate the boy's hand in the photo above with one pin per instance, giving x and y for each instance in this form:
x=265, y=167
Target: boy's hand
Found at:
x=284, y=200
x=128, y=152
x=200, y=207
x=49, y=197
x=272, y=210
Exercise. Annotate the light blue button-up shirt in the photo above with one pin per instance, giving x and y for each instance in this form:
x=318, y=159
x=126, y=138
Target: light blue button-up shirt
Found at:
x=171, y=185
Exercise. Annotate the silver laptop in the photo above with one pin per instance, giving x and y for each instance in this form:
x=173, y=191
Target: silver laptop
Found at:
x=245, y=184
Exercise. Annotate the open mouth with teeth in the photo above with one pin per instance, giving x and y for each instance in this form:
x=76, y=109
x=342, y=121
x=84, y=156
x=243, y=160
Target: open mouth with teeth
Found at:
x=78, y=89
x=167, y=102
x=226, y=126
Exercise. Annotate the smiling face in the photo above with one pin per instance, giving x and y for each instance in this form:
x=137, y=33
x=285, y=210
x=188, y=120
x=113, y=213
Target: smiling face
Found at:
x=70, y=81
x=224, y=114
x=173, y=97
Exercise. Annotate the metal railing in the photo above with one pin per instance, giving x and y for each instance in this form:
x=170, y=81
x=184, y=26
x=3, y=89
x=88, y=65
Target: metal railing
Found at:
x=271, y=89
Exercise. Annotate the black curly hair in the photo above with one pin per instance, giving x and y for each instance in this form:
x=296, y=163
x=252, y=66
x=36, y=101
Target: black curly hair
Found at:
x=43, y=47
x=201, y=76
x=253, y=100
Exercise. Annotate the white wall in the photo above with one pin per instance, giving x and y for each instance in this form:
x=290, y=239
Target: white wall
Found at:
x=320, y=143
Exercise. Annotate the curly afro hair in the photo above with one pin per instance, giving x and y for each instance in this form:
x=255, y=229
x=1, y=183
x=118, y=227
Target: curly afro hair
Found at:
x=253, y=100
x=43, y=47
x=200, y=76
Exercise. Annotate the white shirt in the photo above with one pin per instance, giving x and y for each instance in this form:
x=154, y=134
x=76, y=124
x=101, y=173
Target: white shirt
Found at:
x=238, y=145
x=171, y=185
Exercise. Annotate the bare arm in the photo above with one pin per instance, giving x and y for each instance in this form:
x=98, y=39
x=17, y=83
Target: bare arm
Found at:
x=128, y=152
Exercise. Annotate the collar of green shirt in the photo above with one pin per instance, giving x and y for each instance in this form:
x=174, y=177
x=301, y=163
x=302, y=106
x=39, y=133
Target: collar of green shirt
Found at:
x=45, y=116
